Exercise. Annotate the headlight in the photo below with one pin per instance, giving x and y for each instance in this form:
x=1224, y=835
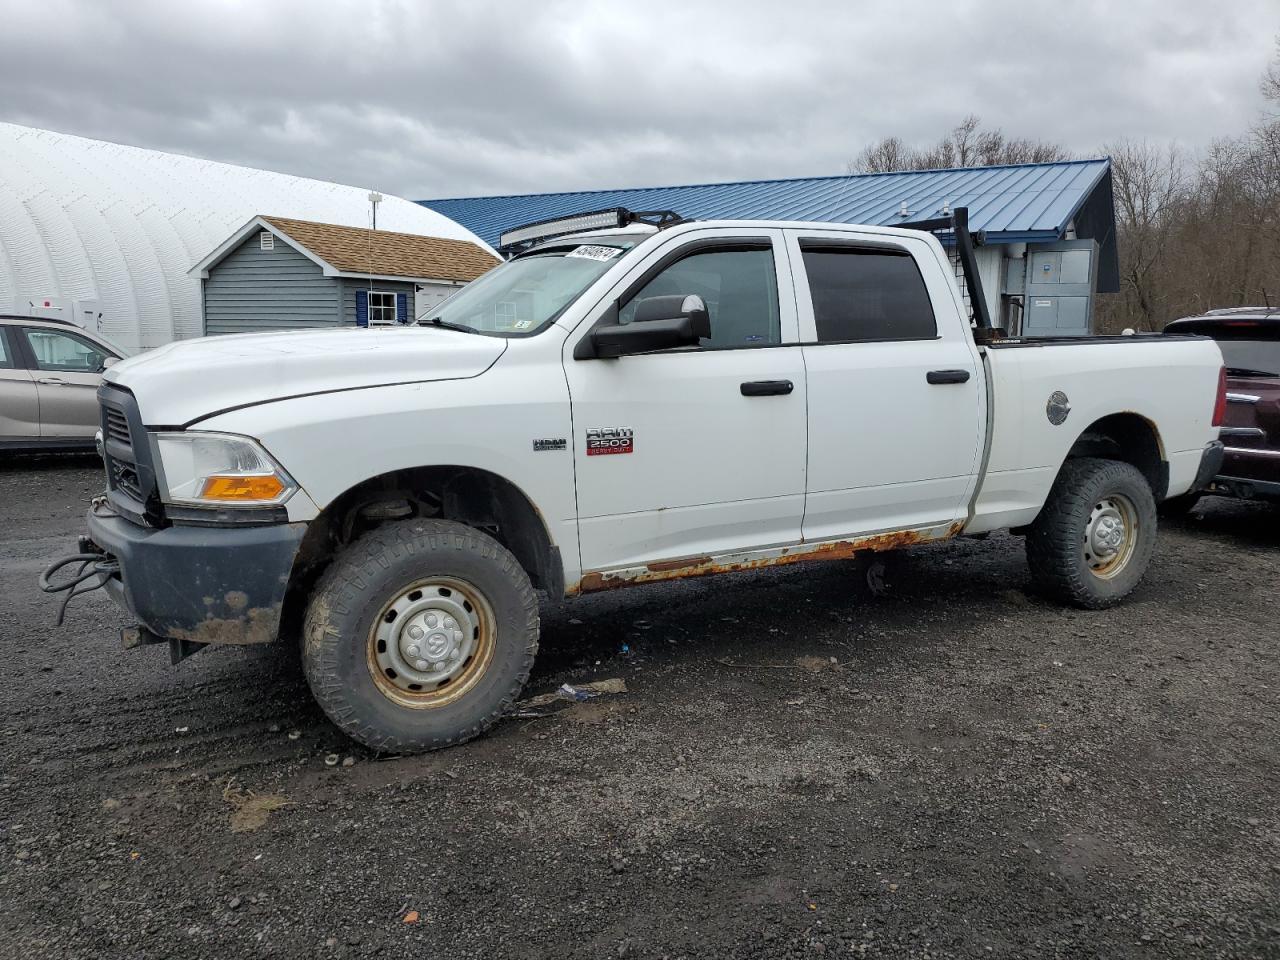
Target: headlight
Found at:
x=219, y=470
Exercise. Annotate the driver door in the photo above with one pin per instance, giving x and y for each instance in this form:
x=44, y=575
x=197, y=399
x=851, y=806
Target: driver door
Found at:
x=694, y=451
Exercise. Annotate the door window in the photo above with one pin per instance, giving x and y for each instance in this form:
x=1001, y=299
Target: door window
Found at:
x=64, y=352
x=739, y=287
x=6, y=358
x=861, y=293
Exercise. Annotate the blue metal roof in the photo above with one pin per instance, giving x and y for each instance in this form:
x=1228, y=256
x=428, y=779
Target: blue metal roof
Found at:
x=1024, y=202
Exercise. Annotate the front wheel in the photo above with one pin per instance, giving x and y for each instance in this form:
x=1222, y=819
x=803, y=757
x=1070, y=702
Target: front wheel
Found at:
x=1093, y=539
x=420, y=635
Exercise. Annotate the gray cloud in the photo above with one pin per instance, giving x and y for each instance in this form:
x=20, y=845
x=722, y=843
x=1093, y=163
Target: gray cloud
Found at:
x=447, y=99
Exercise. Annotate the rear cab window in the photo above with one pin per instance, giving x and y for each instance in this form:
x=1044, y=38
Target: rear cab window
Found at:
x=866, y=294
x=1250, y=358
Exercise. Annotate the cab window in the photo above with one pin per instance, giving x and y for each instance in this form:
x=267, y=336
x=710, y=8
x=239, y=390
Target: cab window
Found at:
x=738, y=285
x=864, y=293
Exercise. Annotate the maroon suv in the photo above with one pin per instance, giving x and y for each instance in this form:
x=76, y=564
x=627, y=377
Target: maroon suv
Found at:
x=1249, y=338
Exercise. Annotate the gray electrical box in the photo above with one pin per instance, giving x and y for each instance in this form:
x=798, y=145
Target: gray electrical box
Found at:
x=1060, y=287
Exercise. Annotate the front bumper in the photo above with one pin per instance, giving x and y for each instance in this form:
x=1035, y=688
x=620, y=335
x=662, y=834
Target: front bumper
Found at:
x=200, y=584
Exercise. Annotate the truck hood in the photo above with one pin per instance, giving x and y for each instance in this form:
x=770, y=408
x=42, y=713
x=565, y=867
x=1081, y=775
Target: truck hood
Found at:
x=180, y=383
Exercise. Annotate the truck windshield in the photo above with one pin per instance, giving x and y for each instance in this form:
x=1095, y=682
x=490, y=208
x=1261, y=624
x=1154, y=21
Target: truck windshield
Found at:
x=524, y=296
x=1251, y=358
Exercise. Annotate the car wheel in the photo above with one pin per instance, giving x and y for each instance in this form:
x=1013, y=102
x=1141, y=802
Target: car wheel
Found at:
x=420, y=635
x=1094, y=537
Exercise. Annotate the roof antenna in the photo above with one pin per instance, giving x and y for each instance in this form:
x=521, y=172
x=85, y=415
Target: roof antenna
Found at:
x=375, y=198
x=1265, y=299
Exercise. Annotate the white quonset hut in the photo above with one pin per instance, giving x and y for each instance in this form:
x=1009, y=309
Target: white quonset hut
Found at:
x=105, y=234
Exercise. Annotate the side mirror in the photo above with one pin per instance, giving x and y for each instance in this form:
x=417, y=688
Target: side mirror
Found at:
x=659, y=324
x=109, y=362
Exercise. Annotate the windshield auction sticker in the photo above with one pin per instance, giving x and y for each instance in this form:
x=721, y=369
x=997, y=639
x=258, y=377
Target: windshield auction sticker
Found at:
x=590, y=252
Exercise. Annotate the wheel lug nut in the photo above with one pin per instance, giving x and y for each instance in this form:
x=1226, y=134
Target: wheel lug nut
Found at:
x=414, y=650
x=454, y=654
x=432, y=620
x=438, y=665
x=422, y=665
x=416, y=632
x=450, y=623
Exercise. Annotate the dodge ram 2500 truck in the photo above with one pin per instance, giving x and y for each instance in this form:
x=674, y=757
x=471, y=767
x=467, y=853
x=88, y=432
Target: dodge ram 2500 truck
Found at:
x=627, y=399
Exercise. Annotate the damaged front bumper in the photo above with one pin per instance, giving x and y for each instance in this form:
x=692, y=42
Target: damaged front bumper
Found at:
x=196, y=584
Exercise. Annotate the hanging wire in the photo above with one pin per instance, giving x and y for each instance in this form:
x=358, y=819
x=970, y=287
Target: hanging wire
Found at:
x=103, y=567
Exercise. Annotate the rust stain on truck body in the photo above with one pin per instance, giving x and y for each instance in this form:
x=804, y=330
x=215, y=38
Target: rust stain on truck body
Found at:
x=708, y=566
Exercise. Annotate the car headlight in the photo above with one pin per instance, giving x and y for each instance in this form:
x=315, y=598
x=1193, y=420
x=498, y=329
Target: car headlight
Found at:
x=219, y=470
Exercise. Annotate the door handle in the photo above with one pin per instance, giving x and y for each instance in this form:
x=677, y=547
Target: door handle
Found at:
x=947, y=376
x=52, y=382
x=767, y=388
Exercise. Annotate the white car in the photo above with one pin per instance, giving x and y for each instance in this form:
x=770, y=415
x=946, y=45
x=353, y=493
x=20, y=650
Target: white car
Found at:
x=641, y=402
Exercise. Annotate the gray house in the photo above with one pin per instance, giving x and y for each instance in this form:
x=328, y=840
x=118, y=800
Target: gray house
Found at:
x=275, y=273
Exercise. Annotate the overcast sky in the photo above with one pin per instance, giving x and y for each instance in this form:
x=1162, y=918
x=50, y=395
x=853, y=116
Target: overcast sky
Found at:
x=429, y=99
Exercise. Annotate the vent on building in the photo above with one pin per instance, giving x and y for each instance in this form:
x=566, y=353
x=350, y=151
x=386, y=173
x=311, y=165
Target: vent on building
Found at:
x=267, y=240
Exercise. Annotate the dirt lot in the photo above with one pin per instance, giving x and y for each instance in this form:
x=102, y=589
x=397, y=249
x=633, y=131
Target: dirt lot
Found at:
x=952, y=769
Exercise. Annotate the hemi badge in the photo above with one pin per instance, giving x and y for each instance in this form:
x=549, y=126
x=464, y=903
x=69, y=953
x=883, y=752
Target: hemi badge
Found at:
x=557, y=444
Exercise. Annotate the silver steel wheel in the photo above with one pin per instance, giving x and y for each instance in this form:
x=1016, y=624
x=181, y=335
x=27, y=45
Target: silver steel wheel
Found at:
x=1110, y=535
x=431, y=643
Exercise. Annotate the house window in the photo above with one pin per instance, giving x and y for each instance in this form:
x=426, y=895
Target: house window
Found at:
x=382, y=307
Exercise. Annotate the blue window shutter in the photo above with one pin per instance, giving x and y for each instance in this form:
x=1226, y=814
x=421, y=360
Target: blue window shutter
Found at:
x=362, y=308
x=402, y=308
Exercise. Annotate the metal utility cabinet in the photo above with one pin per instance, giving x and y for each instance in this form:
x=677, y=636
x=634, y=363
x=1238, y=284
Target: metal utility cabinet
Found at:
x=1058, y=288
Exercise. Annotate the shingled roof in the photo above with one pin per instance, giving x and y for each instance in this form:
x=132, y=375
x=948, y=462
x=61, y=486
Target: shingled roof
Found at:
x=359, y=252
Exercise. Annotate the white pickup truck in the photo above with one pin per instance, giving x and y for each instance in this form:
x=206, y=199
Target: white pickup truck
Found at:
x=621, y=402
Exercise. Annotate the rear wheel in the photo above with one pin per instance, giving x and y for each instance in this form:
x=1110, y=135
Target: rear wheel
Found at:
x=420, y=636
x=1094, y=538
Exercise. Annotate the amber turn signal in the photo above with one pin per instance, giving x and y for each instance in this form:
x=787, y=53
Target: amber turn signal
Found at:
x=238, y=489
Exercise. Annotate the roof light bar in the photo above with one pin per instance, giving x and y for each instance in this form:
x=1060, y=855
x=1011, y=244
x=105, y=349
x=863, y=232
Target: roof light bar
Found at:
x=596, y=220
x=615, y=217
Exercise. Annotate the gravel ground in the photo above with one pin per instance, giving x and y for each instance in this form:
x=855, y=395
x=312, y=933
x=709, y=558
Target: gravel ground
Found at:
x=955, y=768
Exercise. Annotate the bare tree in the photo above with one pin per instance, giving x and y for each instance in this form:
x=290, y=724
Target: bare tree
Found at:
x=885, y=156
x=1271, y=77
x=1193, y=233
x=966, y=145
x=1148, y=182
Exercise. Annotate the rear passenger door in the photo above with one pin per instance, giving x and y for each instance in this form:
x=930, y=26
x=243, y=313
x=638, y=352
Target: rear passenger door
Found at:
x=19, y=407
x=896, y=409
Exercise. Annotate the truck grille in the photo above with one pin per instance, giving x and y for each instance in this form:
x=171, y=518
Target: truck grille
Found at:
x=117, y=426
x=131, y=476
